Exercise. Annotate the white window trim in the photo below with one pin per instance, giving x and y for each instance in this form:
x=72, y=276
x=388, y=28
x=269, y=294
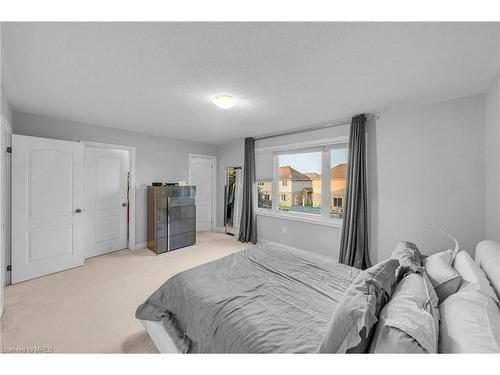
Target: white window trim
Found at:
x=301, y=217
x=323, y=218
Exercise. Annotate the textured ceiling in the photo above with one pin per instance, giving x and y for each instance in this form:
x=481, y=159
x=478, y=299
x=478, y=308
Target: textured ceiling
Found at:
x=158, y=78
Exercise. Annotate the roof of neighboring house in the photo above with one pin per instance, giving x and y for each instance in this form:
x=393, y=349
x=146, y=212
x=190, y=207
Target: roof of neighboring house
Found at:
x=339, y=171
x=288, y=173
x=313, y=175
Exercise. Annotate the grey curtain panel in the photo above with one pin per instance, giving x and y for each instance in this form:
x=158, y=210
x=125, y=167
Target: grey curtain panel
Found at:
x=354, y=242
x=248, y=223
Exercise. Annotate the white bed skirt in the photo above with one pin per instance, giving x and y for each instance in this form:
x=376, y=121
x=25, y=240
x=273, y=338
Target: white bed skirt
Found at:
x=160, y=336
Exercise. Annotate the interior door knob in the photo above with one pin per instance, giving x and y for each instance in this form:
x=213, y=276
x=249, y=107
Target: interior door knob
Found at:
x=125, y=204
x=78, y=210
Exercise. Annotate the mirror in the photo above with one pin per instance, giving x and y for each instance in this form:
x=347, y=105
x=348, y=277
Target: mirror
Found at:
x=233, y=189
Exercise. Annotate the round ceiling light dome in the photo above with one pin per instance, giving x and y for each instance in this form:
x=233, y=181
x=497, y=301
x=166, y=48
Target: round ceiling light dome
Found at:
x=224, y=101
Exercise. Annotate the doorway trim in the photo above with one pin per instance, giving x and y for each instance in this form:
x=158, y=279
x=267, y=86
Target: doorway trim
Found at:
x=5, y=212
x=191, y=156
x=132, y=151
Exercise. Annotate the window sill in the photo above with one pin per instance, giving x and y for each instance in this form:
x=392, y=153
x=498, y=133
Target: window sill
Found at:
x=310, y=219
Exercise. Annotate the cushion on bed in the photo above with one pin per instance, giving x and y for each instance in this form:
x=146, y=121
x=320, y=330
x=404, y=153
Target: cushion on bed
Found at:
x=353, y=322
x=445, y=279
x=409, y=323
x=488, y=258
x=473, y=277
x=470, y=323
x=409, y=258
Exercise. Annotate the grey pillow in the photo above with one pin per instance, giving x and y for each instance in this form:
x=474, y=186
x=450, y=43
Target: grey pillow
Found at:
x=409, y=323
x=445, y=279
x=353, y=322
x=409, y=257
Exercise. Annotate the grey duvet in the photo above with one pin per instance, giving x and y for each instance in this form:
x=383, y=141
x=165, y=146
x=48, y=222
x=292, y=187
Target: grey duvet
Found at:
x=260, y=300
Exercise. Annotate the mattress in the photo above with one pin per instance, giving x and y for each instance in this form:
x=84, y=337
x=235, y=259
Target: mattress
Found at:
x=266, y=299
x=160, y=336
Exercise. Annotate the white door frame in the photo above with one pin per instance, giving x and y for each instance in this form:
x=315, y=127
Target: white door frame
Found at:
x=132, y=151
x=213, y=187
x=4, y=181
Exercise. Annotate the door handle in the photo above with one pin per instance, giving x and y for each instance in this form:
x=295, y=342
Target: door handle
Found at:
x=78, y=210
x=124, y=204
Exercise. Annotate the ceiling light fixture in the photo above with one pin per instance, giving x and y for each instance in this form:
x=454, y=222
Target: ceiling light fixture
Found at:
x=224, y=101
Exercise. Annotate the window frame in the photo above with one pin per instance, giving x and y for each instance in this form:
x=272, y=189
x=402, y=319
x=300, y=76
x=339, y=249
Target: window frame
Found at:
x=326, y=146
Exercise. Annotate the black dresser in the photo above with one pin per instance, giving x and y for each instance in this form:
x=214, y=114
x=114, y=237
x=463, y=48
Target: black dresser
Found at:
x=171, y=217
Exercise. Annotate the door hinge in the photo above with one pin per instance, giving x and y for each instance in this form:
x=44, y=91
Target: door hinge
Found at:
x=9, y=150
x=9, y=268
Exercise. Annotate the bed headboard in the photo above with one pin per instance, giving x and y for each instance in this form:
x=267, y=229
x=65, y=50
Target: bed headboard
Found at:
x=488, y=258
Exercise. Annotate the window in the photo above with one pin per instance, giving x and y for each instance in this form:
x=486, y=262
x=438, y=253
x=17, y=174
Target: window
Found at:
x=300, y=187
x=265, y=193
x=309, y=184
x=338, y=175
x=337, y=202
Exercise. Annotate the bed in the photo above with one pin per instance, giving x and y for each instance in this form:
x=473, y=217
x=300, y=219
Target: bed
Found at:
x=276, y=299
x=266, y=299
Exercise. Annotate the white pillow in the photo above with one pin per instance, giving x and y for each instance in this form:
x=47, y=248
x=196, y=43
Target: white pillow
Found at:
x=488, y=258
x=470, y=323
x=473, y=277
x=444, y=278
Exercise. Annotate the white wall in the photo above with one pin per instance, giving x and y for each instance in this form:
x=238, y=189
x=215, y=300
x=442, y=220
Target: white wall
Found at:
x=425, y=165
x=157, y=158
x=6, y=109
x=492, y=162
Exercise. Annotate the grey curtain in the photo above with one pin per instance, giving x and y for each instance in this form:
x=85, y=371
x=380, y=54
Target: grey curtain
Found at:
x=248, y=223
x=354, y=242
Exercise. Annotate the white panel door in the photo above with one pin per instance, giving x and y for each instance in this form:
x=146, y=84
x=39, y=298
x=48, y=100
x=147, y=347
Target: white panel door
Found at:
x=47, y=211
x=201, y=177
x=106, y=185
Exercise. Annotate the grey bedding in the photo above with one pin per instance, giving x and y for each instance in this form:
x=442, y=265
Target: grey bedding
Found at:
x=260, y=300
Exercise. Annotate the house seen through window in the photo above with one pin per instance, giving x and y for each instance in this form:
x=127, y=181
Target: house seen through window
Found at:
x=265, y=194
x=300, y=179
x=297, y=173
x=338, y=175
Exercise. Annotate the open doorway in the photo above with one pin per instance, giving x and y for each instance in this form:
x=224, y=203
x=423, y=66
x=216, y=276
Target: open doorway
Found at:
x=233, y=189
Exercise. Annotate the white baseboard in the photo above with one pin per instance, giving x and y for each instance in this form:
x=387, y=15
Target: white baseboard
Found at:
x=141, y=245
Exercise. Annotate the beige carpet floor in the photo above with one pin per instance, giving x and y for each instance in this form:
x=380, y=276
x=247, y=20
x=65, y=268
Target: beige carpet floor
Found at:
x=90, y=309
